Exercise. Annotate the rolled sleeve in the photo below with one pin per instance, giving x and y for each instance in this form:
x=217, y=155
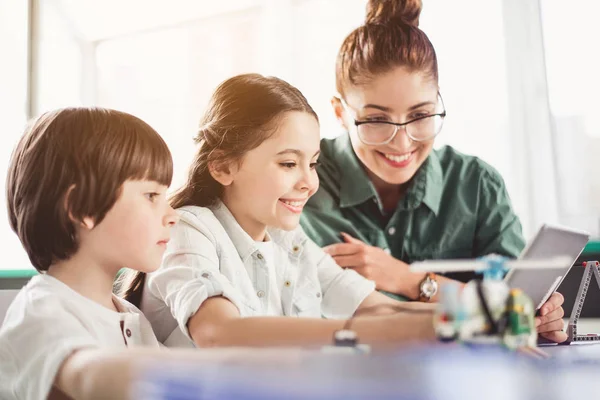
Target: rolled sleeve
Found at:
x=343, y=289
x=190, y=272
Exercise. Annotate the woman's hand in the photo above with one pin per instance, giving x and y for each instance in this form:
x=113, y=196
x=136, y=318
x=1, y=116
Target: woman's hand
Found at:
x=550, y=323
x=371, y=262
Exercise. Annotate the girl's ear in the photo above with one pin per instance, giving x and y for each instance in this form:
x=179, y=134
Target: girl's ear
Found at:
x=223, y=171
x=338, y=110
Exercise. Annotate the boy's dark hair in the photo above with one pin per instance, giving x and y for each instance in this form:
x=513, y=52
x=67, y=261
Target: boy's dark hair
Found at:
x=70, y=164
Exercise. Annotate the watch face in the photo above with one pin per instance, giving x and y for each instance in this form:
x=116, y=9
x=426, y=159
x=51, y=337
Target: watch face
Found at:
x=429, y=287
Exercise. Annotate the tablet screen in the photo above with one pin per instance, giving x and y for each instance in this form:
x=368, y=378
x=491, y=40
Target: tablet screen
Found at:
x=549, y=242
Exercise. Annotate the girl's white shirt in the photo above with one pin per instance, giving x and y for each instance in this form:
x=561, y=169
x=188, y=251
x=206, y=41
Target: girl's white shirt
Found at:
x=275, y=273
x=209, y=254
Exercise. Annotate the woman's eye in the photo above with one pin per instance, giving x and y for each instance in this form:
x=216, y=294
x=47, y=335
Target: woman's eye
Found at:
x=419, y=115
x=377, y=119
x=288, y=165
x=314, y=165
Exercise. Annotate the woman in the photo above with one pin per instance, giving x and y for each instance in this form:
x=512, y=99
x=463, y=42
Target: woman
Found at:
x=386, y=197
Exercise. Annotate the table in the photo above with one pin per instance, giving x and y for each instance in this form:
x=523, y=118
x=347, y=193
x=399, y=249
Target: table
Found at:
x=422, y=373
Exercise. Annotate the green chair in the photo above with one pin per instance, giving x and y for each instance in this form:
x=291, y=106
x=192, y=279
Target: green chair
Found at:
x=591, y=252
x=15, y=278
x=11, y=281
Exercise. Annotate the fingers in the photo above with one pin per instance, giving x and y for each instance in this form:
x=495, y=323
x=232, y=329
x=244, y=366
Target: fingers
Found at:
x=555, y=301
x=349, y=239
x=342, y=249
x=555, y=336
x=552, y=316
x=551, y=326
x=351, y=261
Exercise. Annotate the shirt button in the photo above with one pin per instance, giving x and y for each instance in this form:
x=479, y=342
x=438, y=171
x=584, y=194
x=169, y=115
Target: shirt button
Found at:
x=206, y=275
x=296, y=249
x=318, y=294
x=128, y=332
x=288, y=283
x=260, y=293
x=392, y=230
x=387, y=251
x=259, y=256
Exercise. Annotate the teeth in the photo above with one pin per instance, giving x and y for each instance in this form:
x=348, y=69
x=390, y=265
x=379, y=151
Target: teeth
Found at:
x=293, y=203
x=396, y=158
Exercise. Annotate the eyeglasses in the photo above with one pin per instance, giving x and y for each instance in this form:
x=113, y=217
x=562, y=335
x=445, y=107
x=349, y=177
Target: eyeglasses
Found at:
x=418, y=130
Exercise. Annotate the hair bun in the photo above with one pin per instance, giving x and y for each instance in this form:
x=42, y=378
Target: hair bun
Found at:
x=384, y=11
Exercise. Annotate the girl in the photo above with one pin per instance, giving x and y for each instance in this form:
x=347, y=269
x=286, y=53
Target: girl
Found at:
x=238, y=264
x=385, y=194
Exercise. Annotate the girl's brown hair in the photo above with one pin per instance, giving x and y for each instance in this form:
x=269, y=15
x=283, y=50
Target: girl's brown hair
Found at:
x=389, y=38
x=242, y=113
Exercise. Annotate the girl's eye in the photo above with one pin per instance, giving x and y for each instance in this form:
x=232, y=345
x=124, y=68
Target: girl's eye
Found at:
x=289, y=165
x=314, y=165
x=152, y=196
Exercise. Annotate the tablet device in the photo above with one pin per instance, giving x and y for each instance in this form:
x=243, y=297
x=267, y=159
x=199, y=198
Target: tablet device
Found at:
x=550, y=241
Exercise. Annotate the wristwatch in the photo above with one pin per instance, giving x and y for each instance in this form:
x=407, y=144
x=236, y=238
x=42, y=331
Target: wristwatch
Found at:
x=428, y=287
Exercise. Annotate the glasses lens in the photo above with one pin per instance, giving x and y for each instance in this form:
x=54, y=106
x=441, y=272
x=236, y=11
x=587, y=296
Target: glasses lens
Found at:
x=375, y=133
x=426, y=128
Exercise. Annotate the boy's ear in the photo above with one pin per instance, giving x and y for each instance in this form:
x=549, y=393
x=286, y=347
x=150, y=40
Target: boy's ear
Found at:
x=338, y=110
x=87, y=222
x=223, y=172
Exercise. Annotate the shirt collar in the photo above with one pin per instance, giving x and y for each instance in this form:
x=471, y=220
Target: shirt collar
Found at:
x=244, y=244
x=426, y=187
x=356, y=187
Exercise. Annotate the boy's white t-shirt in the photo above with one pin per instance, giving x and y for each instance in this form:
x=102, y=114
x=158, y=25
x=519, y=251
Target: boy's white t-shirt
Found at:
x=47, y=322
x=275, y=308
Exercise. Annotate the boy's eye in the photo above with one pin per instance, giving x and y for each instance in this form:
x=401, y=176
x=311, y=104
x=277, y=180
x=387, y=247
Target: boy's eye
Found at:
x=152, y=196
x=288, y=164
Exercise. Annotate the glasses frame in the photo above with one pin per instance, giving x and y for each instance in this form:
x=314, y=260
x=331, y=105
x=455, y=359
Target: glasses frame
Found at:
x=398, y=125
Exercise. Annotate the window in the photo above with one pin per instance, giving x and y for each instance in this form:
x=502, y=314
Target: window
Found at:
x=13, y=103
x=163, y=64
x=570, y=34
x=170, y=77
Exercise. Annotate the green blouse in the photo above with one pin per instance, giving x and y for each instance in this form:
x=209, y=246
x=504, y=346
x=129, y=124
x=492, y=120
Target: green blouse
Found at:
x=456, y=206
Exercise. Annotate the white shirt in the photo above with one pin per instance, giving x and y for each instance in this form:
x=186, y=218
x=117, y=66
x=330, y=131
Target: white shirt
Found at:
x=47, y=322
x=209, y=254
x=275, y=273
